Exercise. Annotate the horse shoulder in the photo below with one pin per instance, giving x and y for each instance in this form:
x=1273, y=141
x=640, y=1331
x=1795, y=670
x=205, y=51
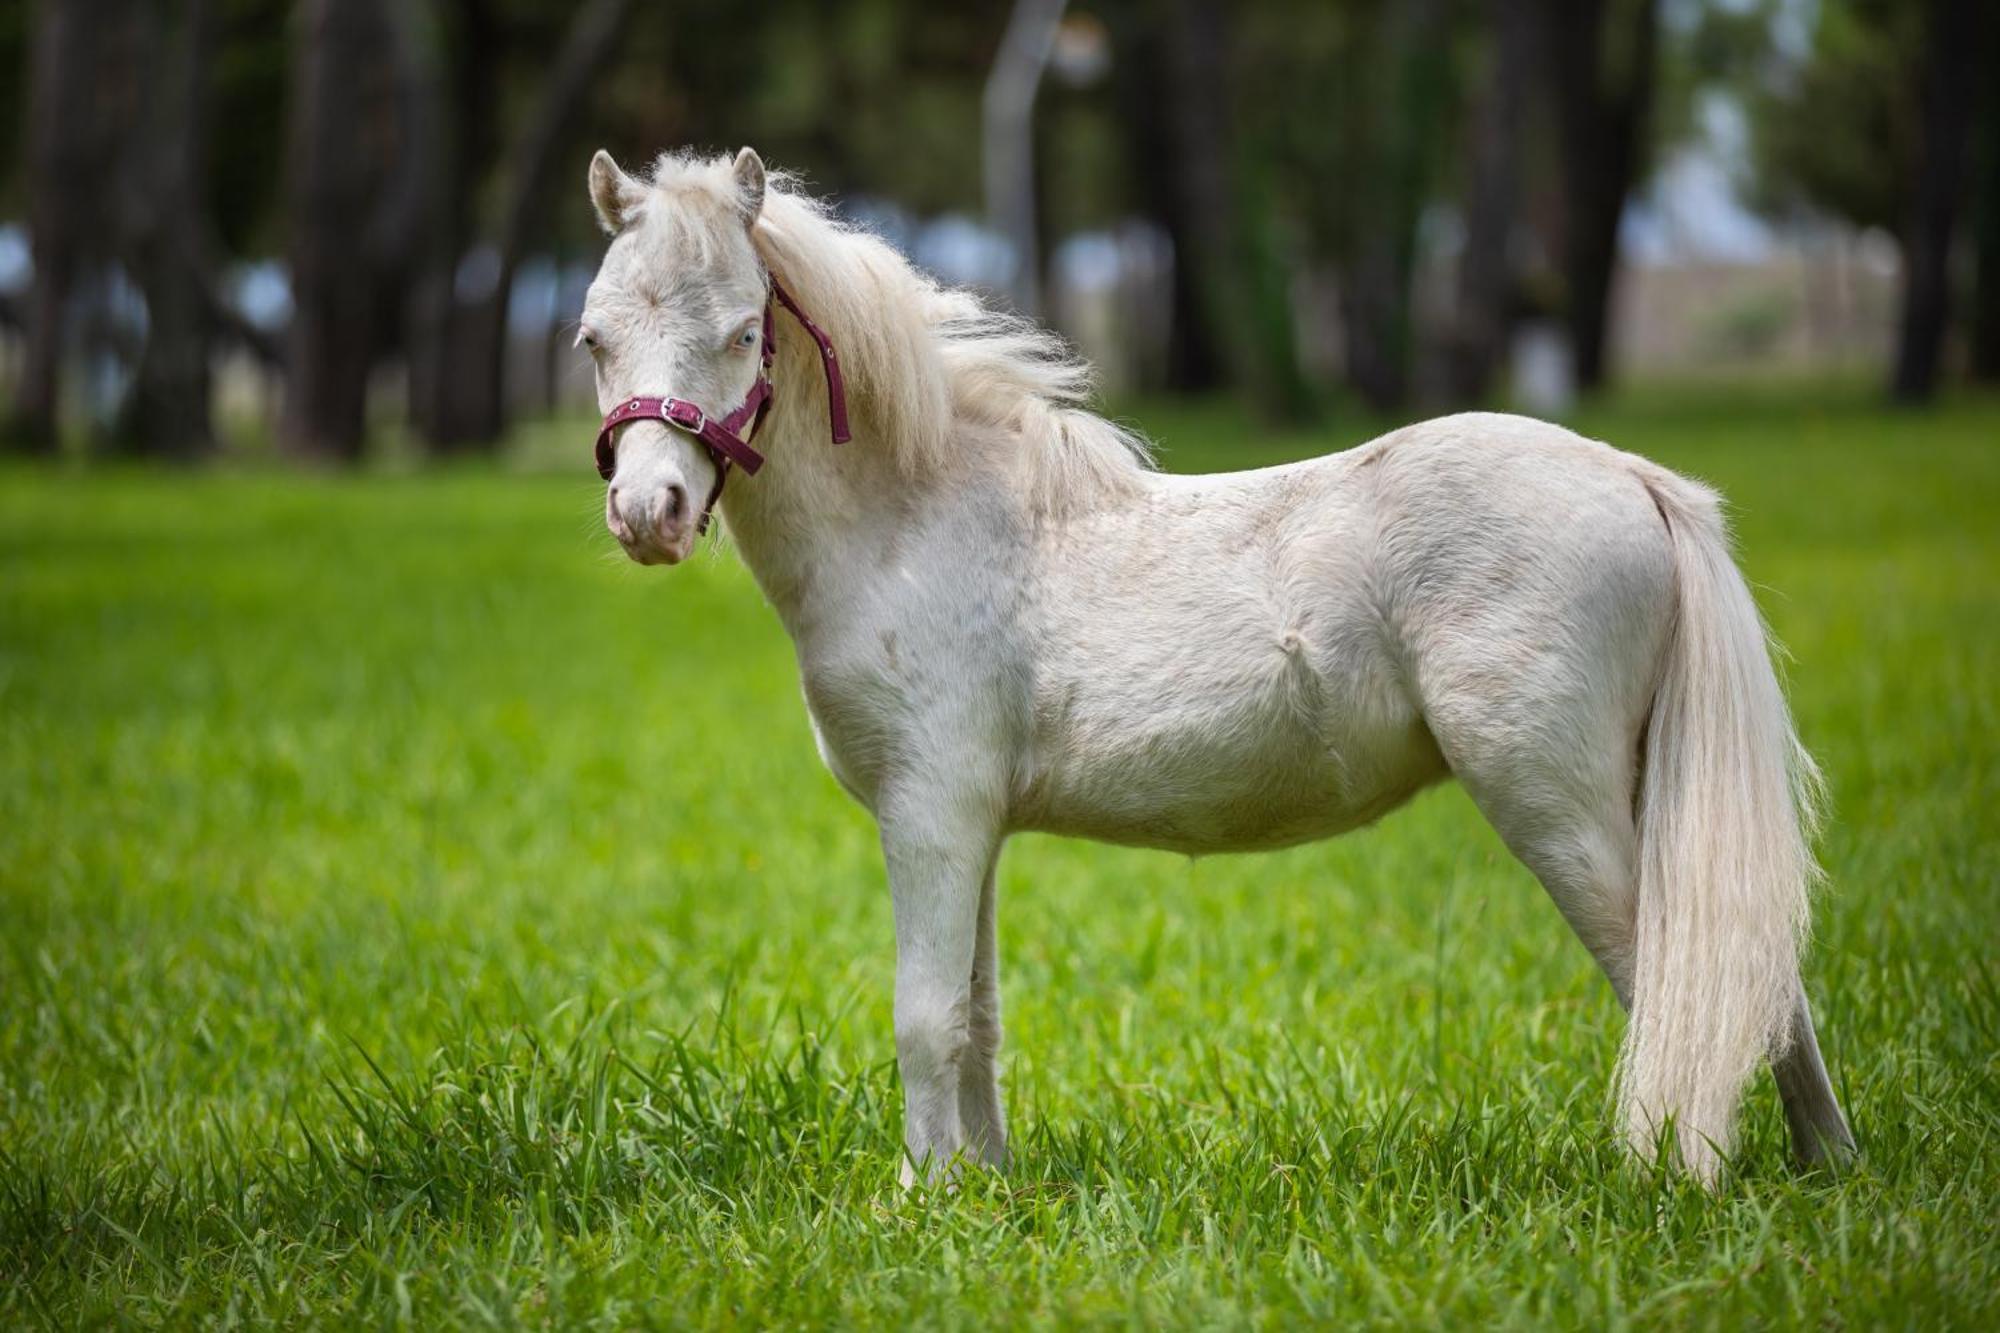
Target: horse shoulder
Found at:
x=915, y=675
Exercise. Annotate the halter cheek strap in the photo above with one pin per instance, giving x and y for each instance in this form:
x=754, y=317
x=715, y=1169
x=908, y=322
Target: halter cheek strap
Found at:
x=836, y=388
x=728, y=438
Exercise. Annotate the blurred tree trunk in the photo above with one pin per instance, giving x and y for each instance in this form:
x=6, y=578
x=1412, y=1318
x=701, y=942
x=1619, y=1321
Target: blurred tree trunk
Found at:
x=342, y=144
x=456, y=71
x=167, y=247
x=1193, y=364
x=70, y=163
x=1985, y=359
x=1007, y=139
x=1948, y=77
x=1401, y=128
x=1601, y=68
x=464, y=399
x=1492, y=199
x=1250, y=320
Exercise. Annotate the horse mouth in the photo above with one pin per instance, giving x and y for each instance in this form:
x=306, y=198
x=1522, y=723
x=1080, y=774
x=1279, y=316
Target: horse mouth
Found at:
x=657, y=553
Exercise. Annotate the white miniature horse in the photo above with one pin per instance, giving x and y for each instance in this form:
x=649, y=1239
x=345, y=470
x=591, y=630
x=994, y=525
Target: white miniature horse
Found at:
x=1005, y=620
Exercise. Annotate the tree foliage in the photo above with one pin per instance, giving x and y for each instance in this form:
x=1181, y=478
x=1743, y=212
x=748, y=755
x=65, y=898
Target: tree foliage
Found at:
x=1840, y=131
x=1299, y=157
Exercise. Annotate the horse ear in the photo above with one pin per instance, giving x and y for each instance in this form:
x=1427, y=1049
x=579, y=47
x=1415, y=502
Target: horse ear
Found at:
x=749, y=184
x=612, y=193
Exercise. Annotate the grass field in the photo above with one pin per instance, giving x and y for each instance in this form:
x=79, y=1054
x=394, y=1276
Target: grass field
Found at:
x=413, y=914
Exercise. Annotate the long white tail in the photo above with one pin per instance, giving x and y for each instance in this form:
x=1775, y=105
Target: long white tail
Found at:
x=1728, y=806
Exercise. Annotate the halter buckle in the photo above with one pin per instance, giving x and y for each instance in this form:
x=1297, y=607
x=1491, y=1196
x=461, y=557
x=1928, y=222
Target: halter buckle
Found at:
x=680, y=412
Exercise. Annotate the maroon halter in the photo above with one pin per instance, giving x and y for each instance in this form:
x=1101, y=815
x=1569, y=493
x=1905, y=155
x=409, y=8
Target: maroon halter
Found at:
x=726, y=438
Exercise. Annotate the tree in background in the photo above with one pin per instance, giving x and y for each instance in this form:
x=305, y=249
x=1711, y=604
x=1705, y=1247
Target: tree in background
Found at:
x=1495, y=133
x=510, y=90
x=1949, y=68
x=1353, y=102
x=165, y=211
x=349, y=206
x=1985, y=360
x=130, y=173
x=78, y=84
x=1877, y=127
x=1601, y=66
x=1223, y=200
x=1007, y=140
x=420, y=149
x=1163, y=189
x=1395, y=108
x=459, y=313
x=1288, y=149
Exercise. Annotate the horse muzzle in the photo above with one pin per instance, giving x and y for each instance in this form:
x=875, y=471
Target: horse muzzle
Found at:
x=657, y=524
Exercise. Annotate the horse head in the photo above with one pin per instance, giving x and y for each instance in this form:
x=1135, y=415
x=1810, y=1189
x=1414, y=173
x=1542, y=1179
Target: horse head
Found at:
x=677, y=328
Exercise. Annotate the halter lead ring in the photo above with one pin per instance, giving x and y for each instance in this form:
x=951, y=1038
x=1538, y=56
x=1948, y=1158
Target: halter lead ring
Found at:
x=726, y=438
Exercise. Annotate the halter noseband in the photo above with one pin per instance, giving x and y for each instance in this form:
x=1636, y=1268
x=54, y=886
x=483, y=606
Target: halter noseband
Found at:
x=726, y=438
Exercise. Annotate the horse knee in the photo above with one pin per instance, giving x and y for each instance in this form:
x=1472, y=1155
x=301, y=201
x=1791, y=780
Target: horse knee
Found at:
x=984, y=1038
x=983, y=1027
x=932, y=1037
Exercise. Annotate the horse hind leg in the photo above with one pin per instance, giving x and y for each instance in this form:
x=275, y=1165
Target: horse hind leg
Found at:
x=1582, y=849
x=1560, y=797
x=979, y=1110
x=1812, y=1112
x=1579, y=837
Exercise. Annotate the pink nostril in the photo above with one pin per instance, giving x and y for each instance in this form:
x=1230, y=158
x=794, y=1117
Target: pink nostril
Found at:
x=676, y=503
x=615, y=517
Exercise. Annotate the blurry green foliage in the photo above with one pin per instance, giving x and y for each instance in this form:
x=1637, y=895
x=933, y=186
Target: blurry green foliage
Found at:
x=1841, y=132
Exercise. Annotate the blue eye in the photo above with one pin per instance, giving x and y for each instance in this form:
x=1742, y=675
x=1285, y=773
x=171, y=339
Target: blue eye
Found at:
x=747, y=339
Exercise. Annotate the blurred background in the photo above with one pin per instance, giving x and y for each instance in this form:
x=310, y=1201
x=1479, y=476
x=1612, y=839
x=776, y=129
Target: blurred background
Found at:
x=414, y=913
x=336, y=227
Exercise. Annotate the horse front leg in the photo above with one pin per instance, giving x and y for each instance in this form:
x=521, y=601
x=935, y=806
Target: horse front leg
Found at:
x=939, y=856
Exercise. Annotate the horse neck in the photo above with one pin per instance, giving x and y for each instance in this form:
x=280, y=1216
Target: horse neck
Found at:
x=819, y=515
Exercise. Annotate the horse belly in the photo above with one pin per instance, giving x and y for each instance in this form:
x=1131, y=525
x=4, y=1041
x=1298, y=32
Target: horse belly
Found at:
x=1197, y=770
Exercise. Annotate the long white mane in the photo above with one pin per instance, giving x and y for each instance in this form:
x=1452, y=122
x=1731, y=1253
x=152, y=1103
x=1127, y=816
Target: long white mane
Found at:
x=935, y=372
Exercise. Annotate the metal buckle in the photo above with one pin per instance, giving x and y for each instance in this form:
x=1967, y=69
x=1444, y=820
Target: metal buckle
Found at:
x=686, y=415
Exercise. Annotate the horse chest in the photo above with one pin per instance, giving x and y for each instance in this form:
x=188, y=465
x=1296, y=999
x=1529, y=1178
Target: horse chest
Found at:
x=907, y=699
x=848, y=706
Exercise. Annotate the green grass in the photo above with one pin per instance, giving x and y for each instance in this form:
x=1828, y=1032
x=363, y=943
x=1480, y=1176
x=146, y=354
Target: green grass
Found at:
x=414, y=914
